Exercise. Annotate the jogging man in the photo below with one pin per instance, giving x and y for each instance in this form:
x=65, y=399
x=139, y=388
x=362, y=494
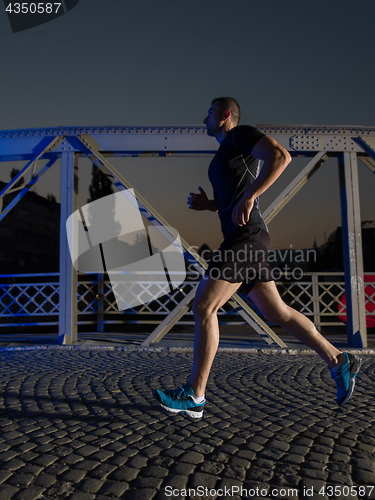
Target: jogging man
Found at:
x=241, y=259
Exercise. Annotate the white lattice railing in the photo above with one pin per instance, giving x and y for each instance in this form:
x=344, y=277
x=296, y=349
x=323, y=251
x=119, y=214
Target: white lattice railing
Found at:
x=33, y=299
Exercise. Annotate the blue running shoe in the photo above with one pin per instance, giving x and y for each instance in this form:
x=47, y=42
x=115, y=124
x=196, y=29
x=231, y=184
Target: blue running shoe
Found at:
x=345, y=377
x=180, y=401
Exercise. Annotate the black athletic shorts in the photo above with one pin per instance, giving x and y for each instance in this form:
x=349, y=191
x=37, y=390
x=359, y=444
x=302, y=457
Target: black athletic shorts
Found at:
x=242, y=258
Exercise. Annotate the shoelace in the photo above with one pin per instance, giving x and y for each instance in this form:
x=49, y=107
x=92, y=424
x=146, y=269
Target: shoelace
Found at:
x=337, y=376
x=177, y=393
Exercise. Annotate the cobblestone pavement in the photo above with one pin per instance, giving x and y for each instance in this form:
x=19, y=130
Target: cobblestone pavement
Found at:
x=81, y=424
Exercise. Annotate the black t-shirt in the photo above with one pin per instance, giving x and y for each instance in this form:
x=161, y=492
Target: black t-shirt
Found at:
x=231, y=172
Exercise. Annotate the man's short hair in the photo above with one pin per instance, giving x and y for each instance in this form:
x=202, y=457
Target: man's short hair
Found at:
x=231, y=104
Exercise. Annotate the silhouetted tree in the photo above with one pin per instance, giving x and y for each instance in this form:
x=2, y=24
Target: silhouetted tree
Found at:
x=100, y=185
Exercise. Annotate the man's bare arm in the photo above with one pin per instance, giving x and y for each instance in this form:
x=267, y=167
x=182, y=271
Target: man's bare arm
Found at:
x=276, y=158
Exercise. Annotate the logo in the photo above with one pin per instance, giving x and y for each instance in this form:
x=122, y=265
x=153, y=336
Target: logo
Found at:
x=26, y=15
x=108, y=236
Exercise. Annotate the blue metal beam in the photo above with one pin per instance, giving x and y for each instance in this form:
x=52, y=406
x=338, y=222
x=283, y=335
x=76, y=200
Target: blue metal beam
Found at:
x=301, y=139
x=68, y=275
x=352, y=250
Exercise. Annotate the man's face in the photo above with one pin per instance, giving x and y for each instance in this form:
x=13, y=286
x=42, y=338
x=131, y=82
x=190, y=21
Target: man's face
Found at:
x=214, y=119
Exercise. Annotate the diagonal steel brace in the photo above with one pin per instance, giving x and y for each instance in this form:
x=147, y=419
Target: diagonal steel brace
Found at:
x=292, y=189
x=41, y=150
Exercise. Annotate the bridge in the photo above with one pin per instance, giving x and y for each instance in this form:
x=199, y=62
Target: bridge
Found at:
x=68, y=144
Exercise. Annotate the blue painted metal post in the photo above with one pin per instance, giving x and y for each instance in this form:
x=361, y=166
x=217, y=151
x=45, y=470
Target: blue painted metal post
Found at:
x=352, y=249
x=68, y=275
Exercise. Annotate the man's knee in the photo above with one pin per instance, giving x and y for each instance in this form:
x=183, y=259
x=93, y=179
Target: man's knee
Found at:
x=202, y=308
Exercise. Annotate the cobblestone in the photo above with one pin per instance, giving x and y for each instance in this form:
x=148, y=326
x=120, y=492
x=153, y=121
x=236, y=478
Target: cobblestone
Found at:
x=82, y=425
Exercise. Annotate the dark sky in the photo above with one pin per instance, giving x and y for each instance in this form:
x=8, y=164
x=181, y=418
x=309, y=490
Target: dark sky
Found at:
x=116, y=62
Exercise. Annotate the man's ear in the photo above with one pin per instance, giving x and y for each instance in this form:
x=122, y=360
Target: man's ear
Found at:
x=226, y=115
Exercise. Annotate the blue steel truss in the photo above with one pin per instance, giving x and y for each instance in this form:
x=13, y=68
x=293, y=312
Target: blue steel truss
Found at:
x=68, y=144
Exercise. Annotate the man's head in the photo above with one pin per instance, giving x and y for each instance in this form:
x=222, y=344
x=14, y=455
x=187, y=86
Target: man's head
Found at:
x=229, y=104
x=223, y=114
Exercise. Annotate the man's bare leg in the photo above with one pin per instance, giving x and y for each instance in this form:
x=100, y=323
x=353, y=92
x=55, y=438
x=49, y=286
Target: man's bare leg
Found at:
x=267, y=299
x=211, y=295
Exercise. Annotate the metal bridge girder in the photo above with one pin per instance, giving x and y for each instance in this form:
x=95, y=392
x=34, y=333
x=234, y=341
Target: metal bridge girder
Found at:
x=300, y=139
x=68, y=275
x=352, y=250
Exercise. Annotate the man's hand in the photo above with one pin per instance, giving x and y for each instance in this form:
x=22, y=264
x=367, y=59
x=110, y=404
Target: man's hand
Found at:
x=198, y=201
x=242, y=210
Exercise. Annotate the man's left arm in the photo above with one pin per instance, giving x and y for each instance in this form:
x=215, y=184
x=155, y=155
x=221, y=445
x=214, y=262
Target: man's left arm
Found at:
x=275, y=158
